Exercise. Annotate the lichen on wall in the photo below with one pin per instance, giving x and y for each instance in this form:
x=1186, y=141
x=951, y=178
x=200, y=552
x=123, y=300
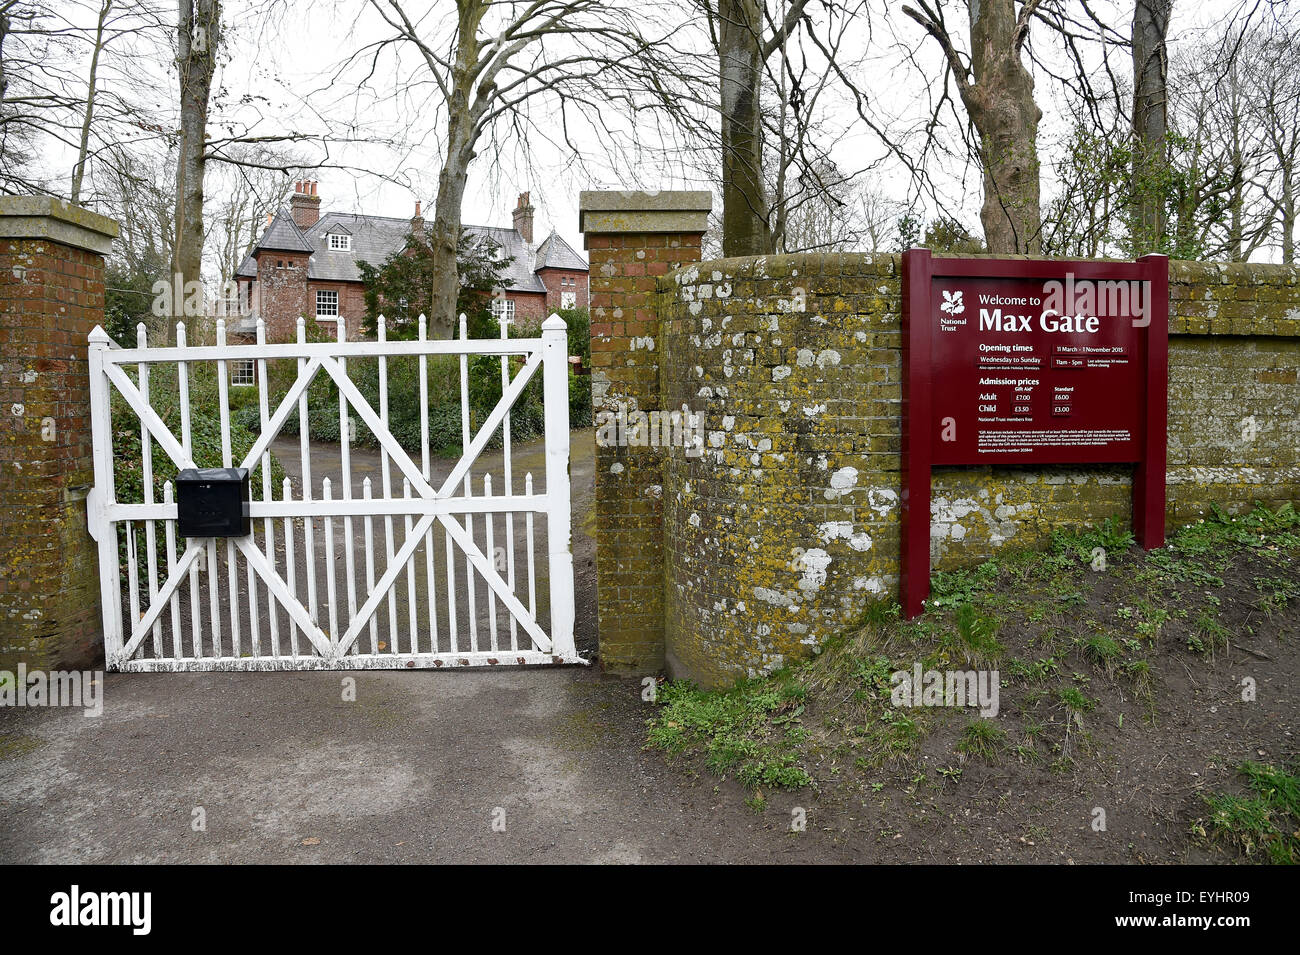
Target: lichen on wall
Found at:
x=787, y=526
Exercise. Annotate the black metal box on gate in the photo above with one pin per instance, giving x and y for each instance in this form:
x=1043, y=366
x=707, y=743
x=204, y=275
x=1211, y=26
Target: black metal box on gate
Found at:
x=213, y=502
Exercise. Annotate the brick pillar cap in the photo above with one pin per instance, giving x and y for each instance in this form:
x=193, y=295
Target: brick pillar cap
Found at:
x=44, y=217
x=631, y=211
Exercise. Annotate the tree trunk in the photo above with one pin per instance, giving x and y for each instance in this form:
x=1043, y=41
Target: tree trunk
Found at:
x=463, y=112
x=1000, y=103
x=446, y=234
x=79, y=170
x=198, y=33
x=1150, y=123
x=745, y=228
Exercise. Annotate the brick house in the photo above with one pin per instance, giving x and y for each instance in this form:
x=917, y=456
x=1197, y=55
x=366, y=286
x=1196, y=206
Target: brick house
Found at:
x=305, y=263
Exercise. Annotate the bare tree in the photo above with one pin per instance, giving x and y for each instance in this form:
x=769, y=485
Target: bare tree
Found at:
x=97, y=47
x=1150, y=122
x=997, y=91
x=487, y=61
x=1273, y=66
x=747, y=35
x=198, y=34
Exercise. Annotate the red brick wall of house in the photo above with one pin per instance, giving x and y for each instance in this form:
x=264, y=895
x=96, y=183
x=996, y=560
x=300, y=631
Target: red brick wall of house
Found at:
x=530, y=307
x=352, y=303
x=551, y=278
x=282, y=293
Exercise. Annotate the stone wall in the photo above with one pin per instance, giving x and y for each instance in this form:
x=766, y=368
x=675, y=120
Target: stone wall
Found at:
x=788, y=524
x=51, y=296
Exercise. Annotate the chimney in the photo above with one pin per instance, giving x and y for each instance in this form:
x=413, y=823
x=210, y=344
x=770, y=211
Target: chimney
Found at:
x=305, y=204
x=524, y=218
x=417, y=220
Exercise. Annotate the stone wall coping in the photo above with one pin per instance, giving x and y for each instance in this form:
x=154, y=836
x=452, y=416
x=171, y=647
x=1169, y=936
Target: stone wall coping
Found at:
x=636, y=212
x=1235, y=310
x=44, y=217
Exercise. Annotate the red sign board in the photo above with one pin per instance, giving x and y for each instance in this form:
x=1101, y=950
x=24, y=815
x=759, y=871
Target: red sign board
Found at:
x=1031, y=362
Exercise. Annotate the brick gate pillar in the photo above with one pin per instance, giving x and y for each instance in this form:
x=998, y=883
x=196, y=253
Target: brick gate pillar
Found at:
x=51, y=296
x=632, y=239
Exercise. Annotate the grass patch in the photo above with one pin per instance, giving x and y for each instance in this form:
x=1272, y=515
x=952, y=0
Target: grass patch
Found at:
x=741, y=732
x=1264, y=824
x=1074, y=637
x=982, y=738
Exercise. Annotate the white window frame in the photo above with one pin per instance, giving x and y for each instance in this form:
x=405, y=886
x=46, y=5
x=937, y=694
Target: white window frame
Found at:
x=339, y=242
x=503, y=307
x=327, y=316
x=243, y=373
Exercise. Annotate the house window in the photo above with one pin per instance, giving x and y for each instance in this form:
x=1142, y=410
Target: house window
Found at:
x=340, y=243
x=243, y=373
x=568, y=300
x=503, y=309
x=327, y=305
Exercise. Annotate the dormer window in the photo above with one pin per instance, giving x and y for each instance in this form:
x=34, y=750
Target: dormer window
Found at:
x=339, y=242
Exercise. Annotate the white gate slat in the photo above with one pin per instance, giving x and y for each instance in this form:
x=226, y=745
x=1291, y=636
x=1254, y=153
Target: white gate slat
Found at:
x=304, y=450
x=180, y=457
x=490, y=521
x=297, y=393
x=356, y=508
x=227, y=460
x=386, y=470
x=555, y=405
x=104, y=492
x=268, y=525
x=410, y=581
x=146, y=474
x=472, y=597
x=493, y=580
x=169, y=532
x=367, y=494
x=196, y=598
x=331, y=597
x=385, y=584
x=356, y=349
x=132, y=575
x=345, y=464
x=291, y=571
x=532, y=569
x=214, y=597
x=423, y=325
x=508, y=490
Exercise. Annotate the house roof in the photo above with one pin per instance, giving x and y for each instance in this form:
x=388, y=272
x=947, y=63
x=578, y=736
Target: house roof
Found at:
x=375, y=238
x=283, y=235
x=555, y=253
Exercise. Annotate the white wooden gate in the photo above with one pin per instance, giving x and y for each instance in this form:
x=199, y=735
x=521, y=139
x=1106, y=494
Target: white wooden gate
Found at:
x=334, y=575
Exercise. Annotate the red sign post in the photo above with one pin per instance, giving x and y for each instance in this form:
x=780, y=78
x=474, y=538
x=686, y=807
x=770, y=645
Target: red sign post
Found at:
x=1031, y=362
